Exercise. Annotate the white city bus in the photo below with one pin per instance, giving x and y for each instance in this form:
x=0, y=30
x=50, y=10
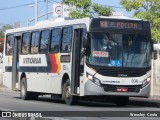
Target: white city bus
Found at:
x=72, y=59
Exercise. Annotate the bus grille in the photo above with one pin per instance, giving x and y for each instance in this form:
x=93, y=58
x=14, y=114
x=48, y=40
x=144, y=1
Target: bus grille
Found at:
x=113, y=88
x=122, y=73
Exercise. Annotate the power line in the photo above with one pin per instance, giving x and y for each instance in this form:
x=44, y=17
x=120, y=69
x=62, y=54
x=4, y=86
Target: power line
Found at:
x=6, y=8
x=11, y=7
x=50, y=1
x=53, y=1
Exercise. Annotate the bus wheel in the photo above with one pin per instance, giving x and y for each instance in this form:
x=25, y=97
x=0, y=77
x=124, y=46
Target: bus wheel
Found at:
x=69, y=99
x=121, y=101
x=23, y=91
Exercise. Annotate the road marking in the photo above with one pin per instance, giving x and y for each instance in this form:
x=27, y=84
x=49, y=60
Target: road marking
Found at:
x=54, y=118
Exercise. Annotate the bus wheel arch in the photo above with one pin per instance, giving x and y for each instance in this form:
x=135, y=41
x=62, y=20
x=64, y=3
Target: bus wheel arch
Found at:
x=66, y=92
x=24, y=93
x=22, y=75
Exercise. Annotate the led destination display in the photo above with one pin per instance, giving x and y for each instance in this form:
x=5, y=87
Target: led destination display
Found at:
x=113, y=24
x=120, y=25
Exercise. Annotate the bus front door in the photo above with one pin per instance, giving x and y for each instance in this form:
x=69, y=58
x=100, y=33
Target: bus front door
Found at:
x=15, y=61
x=76, y=52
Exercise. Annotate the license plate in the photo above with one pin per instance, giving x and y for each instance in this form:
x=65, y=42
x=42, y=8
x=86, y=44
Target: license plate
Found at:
x=122, y=89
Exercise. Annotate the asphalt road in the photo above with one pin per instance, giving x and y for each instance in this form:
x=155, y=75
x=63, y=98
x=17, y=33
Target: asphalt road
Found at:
x=13, y=102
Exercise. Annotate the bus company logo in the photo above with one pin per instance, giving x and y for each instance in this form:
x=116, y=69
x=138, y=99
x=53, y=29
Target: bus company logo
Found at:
x=31, y=60
x=111, y=81
x=122, y=75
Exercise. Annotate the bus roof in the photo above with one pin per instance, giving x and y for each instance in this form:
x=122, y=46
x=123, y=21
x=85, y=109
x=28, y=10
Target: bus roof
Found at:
x=120, y=17
x=65, y=21
x=51, y=23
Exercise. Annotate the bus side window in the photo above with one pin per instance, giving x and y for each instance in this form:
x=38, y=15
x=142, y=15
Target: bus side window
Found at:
x=67, y=39
x=25, y=43
x=34, y=42
x=45, y=36
x=9, y=45
x=55, y=40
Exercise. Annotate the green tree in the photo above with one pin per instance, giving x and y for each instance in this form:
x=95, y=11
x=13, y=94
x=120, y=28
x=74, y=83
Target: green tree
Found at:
x=84, y=7
x=3, y=28
x=102, y=10
x=147, y=10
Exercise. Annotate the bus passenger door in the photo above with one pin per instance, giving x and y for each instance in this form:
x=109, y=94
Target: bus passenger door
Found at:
x=76, y=52
x=15, y=61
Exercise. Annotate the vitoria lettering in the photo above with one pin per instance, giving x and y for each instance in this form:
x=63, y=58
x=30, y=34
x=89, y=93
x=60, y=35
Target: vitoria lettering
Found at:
x=31, y=60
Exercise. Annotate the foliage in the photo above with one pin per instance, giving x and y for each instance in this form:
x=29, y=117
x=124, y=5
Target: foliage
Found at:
x=3, y=28
x=101, y=10
x=78, y=3
x=84, y=7
x=147, y=10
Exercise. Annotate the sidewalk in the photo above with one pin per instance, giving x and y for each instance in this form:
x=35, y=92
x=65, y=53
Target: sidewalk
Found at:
x=6, y=89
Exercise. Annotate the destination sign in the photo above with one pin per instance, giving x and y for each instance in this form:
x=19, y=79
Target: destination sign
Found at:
x=120, y=25
x=103, y=24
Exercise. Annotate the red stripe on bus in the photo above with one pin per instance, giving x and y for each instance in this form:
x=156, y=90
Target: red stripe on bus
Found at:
x=54, y=65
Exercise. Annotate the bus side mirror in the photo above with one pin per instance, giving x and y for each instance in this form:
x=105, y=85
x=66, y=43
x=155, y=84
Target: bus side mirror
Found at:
x=152, y=46
x=84, y=38
x=155, y=54
x=84, y=47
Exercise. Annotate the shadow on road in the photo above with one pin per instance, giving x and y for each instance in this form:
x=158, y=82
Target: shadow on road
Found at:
x=138, y=103
x=144, y=103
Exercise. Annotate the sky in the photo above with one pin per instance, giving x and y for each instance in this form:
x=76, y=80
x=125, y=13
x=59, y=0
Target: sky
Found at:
x=24, y=13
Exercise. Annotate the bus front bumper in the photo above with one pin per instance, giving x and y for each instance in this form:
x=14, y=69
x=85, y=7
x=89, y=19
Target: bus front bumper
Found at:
x=91, y=88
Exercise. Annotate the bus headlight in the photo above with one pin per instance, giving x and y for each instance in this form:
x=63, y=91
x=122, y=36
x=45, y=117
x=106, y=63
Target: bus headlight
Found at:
x=93, y=79
x=89, y=76
x=146, y=81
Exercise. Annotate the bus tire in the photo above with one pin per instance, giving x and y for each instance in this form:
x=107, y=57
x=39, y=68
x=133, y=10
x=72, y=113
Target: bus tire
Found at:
x=121, y=101
x=25, y=95
x=68, y=98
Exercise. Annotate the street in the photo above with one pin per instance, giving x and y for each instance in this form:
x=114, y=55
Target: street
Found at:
x=12, y=102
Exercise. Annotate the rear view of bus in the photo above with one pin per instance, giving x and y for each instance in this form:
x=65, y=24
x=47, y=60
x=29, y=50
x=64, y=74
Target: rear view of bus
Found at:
x=118, y=60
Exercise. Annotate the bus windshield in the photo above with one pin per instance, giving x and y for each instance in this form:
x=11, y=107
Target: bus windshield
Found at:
x=119, y=49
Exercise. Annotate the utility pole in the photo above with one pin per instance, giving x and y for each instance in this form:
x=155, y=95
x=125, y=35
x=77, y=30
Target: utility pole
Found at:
x=46, y=9
x=36, y=11
x=62, y=10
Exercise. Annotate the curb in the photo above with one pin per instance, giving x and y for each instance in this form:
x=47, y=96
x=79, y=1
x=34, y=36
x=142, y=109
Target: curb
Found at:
x=5, y=89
